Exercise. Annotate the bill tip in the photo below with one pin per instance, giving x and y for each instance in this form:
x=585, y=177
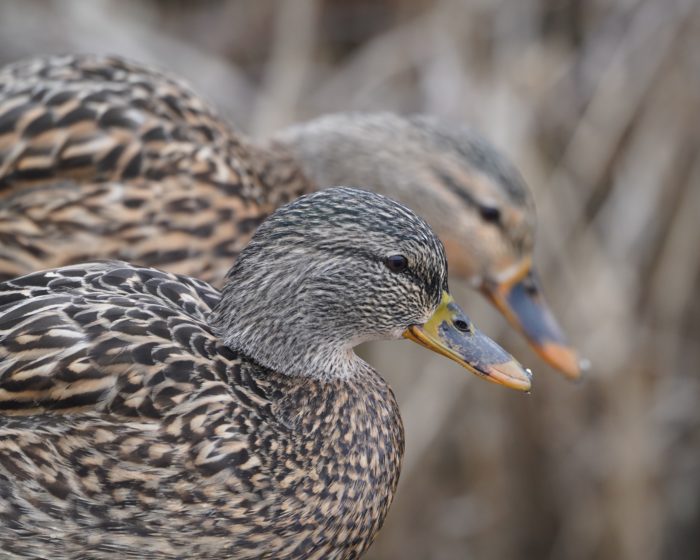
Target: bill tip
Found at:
x=511, y=374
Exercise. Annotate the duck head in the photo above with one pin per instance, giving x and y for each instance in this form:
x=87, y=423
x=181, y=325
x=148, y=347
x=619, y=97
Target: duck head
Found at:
x=467, y=190
x=340, y=267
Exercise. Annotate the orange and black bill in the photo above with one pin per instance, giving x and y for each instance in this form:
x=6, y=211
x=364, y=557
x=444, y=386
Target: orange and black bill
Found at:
x=521, y=301
x=450, y=332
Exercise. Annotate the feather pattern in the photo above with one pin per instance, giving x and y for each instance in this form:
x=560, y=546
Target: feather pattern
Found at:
x=132, y=424
x=133, y=429
x=102, y=158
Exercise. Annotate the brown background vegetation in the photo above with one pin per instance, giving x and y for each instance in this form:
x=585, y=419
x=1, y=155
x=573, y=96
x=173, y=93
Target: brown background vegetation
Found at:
x=597, y=102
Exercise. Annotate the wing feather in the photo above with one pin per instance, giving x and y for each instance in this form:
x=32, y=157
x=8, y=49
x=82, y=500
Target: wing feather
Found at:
x=107, y=337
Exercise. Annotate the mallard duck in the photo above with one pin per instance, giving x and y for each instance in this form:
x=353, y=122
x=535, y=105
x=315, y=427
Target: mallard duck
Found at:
x=146, y=415
x=103, y=158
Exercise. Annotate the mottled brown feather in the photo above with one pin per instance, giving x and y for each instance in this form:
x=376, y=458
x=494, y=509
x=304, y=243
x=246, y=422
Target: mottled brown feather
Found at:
x=102, y=158
x=127, y=429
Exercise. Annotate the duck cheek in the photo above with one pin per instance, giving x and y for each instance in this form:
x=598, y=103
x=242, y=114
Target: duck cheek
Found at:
x=395, y=334
x=463, y=261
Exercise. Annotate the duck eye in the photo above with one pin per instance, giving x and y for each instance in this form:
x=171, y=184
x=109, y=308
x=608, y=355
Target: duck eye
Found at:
x=396, y=263
x=490, y=213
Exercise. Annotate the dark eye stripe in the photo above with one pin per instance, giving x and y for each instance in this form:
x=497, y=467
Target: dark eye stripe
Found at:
x=491, y=214
x=433, y=283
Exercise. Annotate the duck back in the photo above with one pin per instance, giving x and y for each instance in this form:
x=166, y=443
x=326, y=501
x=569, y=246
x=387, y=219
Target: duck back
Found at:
x=103, y=158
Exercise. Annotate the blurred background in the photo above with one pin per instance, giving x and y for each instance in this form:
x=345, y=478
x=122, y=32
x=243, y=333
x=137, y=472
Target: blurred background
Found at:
x=598, y=104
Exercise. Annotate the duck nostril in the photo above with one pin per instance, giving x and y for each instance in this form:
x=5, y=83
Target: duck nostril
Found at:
x=531, y=288
x=461, y=325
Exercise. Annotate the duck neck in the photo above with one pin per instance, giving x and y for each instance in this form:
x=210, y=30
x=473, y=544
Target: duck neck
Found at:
x=349, y=149
x=275, y=323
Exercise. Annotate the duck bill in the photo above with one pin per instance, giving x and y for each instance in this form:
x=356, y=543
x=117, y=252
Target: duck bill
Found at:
x=520, y=300
x=450, y=332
